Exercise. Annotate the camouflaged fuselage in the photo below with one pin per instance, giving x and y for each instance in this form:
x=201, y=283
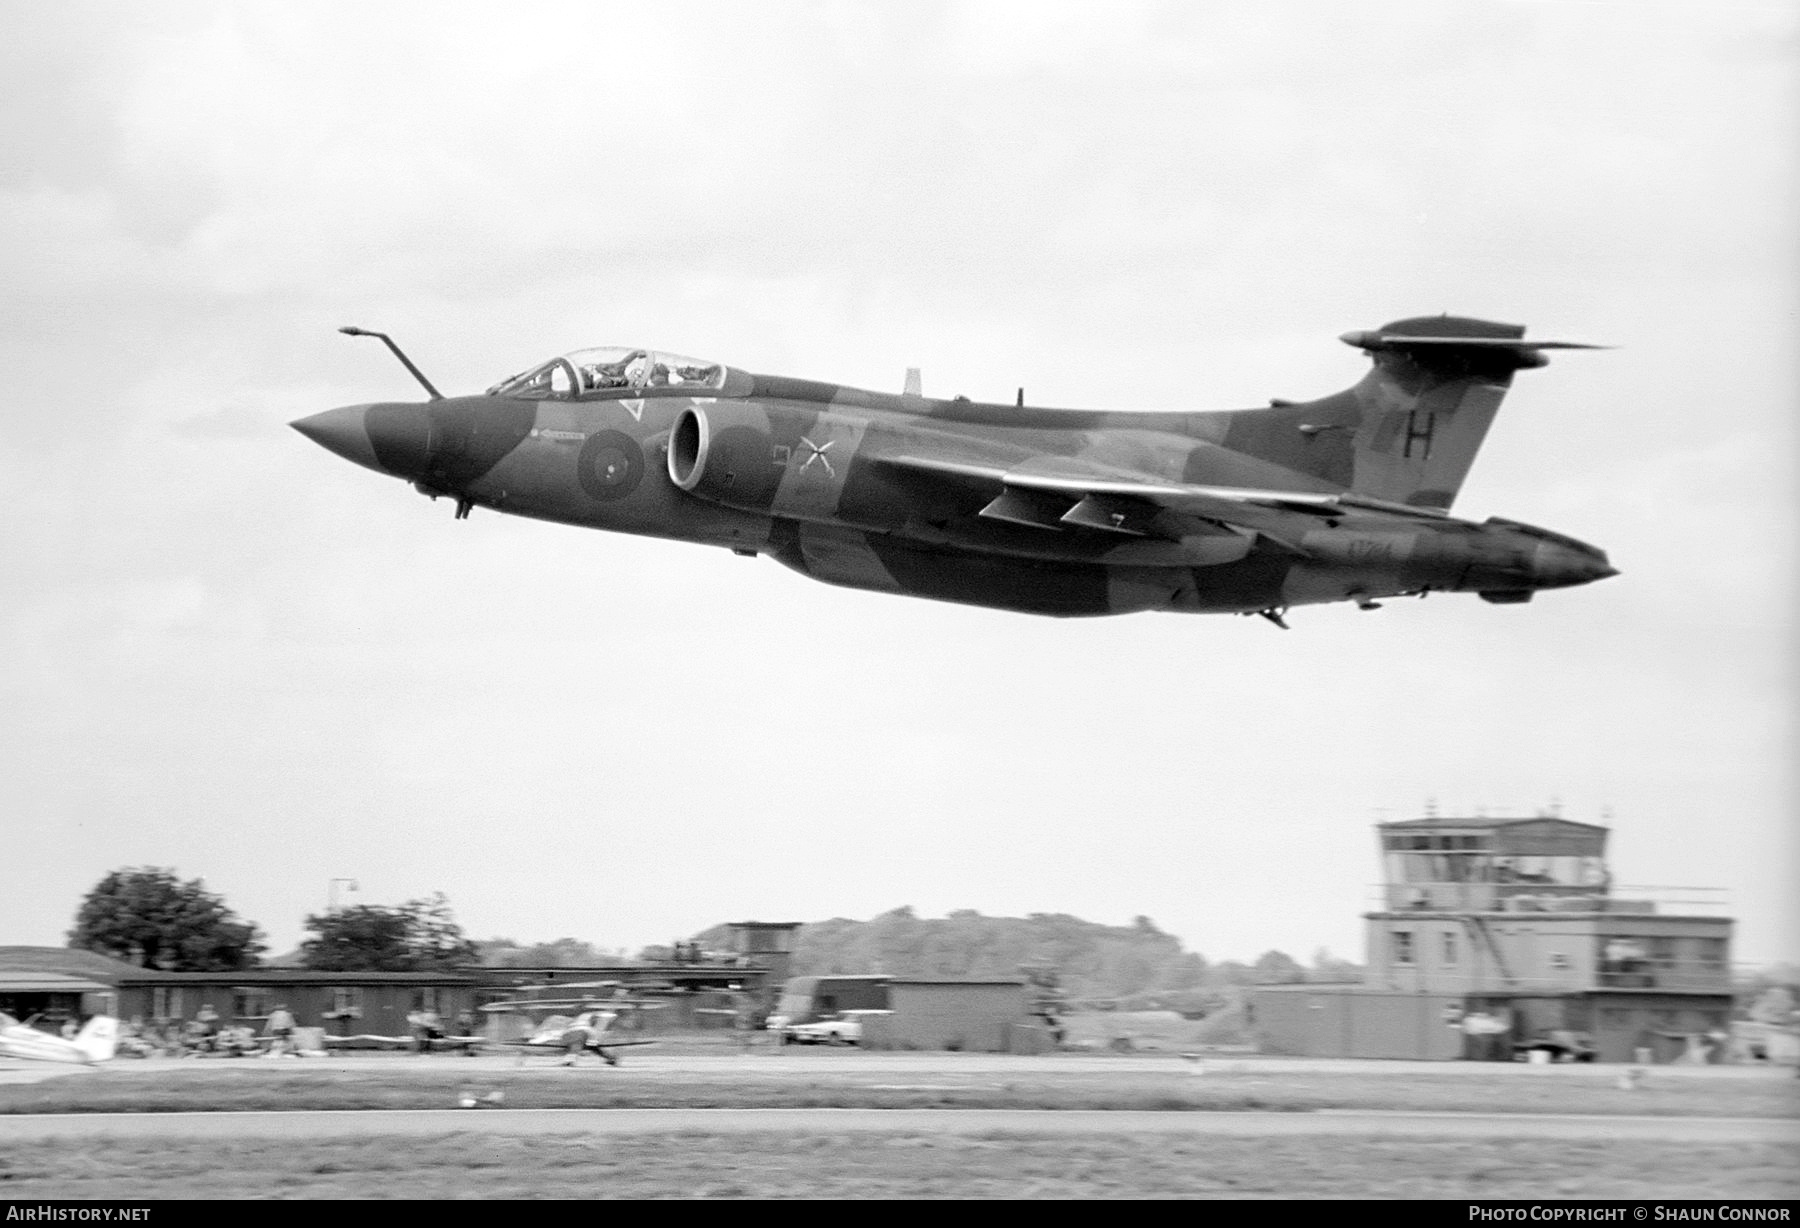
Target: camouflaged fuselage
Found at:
x=1063, y=512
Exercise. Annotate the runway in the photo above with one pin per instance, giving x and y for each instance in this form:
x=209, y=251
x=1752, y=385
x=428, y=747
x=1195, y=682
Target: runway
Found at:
x=874, y=1072
x=546, y=1122
x=37, y=1072
x=910, y=1065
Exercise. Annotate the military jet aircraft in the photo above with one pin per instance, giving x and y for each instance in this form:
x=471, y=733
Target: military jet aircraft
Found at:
x=95, y=1043
x=1044, y=511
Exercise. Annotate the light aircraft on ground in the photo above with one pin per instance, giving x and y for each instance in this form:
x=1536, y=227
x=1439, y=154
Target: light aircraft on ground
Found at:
x=1044, y=511
x=576, y=1025
x=96, y=1042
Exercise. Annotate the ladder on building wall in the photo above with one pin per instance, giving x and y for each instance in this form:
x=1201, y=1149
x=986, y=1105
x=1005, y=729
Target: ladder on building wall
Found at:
x=1482, y=932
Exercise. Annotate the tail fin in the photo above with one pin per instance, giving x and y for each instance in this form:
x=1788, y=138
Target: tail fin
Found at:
x=1429, y=400
x=1409, y=431
x=98, y=1039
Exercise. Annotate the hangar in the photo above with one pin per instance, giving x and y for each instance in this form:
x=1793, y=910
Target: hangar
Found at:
x=56, y=983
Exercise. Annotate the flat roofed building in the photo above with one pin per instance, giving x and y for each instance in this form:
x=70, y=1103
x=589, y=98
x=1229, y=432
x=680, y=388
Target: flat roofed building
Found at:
x=1498, y=935
x=965, y=1016
x=339, y=1003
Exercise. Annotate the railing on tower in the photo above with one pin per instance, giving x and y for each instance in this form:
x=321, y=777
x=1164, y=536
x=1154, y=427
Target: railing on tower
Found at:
x=1523, y=897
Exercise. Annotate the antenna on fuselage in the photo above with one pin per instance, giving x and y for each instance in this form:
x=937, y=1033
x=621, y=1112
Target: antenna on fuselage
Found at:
x=353, y=331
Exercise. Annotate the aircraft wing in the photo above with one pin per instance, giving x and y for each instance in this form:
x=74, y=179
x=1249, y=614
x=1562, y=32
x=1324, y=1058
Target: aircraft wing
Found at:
x=368, y=1040
x=1060, y=492
x=556, y=1046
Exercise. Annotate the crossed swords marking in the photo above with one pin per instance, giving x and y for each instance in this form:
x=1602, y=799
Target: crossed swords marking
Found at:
x=818, y=454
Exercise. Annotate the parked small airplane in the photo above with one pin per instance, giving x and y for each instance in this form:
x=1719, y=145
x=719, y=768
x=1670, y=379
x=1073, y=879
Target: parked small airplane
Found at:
x=1044, y=511
x=95, y=1043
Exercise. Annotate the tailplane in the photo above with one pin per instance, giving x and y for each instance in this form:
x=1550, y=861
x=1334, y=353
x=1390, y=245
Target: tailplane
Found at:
x=1409, y=430
x=1426, y=405
x=98, y=1039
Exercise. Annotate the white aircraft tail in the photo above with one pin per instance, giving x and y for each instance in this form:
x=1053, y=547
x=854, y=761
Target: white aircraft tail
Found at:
x=98, y=1040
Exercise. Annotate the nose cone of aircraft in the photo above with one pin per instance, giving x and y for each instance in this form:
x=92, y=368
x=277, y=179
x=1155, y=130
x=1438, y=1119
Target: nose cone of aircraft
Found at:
x=343, y=431
x=386, y=437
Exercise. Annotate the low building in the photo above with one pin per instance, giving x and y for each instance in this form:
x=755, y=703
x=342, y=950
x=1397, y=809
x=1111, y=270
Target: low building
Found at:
x=698, y=989
x=339, y=1003
x=57, y=983
x=962, y=1016
x=1497, y=936
x=695, y=988
x=1357, y=1021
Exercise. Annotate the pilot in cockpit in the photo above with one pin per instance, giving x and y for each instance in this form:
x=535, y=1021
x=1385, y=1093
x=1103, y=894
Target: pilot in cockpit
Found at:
x=611, y=374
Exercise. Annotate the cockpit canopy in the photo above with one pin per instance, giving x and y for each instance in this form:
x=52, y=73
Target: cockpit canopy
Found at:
x=610, y=368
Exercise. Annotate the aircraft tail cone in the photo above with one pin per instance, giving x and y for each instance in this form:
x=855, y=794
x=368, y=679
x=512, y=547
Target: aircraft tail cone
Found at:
x=1565, y=566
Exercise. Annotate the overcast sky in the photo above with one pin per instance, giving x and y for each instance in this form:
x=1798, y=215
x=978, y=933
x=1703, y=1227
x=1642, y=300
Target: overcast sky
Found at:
x=225, y=650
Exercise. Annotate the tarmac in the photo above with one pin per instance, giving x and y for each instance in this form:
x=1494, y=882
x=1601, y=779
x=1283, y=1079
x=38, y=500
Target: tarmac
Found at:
x=549, y=1122
x=809, y=1059
x=817, y=1061
x=898, y=1071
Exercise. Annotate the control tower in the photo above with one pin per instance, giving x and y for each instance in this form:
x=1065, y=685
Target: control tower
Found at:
x=1497, y=936
x=767, y=946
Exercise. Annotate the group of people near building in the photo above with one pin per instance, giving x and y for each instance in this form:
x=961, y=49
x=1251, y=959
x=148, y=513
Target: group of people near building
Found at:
x=208, y=1034
x=428, y=1030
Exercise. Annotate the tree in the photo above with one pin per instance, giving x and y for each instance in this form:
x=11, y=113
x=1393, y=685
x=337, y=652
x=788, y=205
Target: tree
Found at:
x=1091, y=960
x=435, y=939
x=563, y=953
x=1774, y=1005
x=1327, y=968
x=418, y=936
x=147, y=916
x=1278, y=968
x=366, y=938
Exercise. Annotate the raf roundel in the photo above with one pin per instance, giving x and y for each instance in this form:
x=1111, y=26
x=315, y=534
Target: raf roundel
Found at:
x=611, y=465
